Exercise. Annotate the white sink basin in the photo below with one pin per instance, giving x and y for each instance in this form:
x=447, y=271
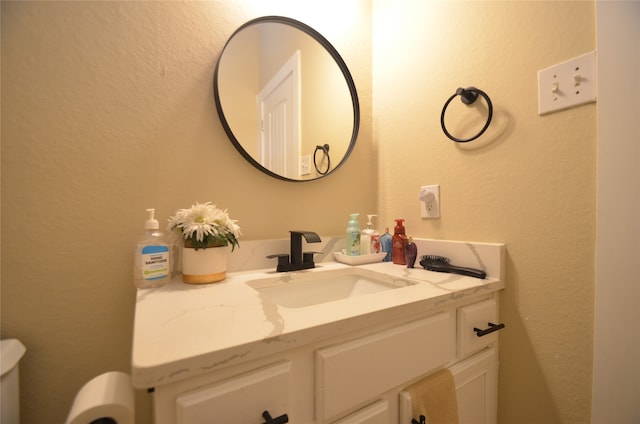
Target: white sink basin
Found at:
x=300, y=289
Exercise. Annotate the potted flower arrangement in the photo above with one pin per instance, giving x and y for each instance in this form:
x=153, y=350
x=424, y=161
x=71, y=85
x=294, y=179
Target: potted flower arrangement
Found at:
x=206, y=231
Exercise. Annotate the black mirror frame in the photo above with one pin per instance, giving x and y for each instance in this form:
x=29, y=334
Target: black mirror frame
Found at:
x=339, y=61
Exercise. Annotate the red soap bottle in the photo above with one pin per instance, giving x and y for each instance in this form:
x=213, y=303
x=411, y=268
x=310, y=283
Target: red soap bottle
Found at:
x=398, y=243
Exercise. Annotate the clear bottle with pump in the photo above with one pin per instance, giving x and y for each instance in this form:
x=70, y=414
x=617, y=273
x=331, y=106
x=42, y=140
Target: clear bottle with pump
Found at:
x=370, y=239
x=152, y=263
x=353, y=236
x=398, y=243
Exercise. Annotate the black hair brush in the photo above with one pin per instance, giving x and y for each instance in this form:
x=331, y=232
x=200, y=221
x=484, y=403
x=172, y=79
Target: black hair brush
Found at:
x=441, y=264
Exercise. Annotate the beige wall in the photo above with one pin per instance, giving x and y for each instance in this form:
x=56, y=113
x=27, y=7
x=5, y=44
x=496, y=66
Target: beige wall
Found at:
x=528, y=182
x=107, y=109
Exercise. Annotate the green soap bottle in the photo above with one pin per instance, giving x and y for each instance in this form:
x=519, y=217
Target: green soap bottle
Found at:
x=353, y=236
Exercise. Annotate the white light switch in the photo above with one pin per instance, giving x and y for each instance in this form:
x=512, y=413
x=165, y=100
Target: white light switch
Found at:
x=567, y=84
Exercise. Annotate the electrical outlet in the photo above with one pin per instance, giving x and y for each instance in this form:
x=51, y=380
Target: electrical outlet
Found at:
x=567, y=84
x=430, y=201
x=305, y=165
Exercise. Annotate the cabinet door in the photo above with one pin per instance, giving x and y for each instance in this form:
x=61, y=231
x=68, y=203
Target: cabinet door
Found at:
x=476, y=380
x=240, y=400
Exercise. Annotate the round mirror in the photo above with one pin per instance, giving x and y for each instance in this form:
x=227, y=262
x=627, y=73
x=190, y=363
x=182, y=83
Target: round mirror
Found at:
x=286, y=99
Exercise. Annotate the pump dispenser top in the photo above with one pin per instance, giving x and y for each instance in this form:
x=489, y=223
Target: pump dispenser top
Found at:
x=370, y=239
x=369, y=223
x=152, y=222
x=399, y=228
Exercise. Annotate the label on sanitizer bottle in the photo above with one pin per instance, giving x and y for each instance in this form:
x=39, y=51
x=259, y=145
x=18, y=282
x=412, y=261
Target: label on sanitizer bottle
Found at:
x=155, y=262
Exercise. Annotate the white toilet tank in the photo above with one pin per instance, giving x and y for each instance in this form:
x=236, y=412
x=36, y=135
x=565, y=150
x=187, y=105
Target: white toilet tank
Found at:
x=10, y=354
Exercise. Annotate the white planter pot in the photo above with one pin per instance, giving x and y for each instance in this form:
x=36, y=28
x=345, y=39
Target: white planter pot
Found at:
x=204, y=266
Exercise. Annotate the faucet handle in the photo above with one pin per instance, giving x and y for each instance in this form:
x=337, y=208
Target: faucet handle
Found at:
x=283, y=261
x=308, y=256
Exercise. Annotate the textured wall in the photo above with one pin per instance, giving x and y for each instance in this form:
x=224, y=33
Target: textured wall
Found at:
x=528, y=182
x=107, y=109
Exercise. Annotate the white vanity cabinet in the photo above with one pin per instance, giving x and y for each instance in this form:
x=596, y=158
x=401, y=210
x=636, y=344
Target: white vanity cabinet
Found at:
x=229, y=353
x=353, y=378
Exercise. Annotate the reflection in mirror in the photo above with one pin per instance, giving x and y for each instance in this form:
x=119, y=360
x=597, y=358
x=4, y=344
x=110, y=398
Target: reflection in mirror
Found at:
x=286, y=99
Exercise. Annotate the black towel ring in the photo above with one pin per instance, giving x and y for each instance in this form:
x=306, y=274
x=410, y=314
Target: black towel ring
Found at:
x=467, y=96
x=325, y=150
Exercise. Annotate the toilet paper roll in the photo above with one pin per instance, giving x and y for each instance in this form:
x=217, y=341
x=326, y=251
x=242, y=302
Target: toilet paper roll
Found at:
x=109, y=395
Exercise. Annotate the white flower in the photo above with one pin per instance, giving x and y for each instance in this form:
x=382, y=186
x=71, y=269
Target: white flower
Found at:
x=204, y=223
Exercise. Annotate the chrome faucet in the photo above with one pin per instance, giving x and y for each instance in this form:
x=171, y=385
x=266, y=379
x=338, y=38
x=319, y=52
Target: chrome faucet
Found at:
x=299, y=260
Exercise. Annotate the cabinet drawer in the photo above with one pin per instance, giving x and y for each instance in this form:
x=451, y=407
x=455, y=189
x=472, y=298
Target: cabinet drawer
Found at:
x=378, y=413
x=240, y=400
x=349, y=374
x=476, y=315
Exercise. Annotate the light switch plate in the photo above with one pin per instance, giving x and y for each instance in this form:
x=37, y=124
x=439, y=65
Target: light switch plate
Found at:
x=567, y=84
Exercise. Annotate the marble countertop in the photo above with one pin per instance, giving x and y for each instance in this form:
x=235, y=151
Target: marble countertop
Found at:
x=185, y=330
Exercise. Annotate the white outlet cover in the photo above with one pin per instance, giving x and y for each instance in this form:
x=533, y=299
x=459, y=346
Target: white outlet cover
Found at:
x=431, y=208
x=567, y=84
x=305, y=165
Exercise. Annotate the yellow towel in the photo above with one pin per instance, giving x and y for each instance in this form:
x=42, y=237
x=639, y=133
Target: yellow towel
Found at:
x=435, y=398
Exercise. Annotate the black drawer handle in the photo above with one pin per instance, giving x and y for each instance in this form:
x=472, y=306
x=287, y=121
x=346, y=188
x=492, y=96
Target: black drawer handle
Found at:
x=492, y=327
x=282, y=419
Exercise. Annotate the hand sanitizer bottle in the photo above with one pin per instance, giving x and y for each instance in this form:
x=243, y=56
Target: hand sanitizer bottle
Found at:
x=353, y=236
x=152, y=263
x=370, y=239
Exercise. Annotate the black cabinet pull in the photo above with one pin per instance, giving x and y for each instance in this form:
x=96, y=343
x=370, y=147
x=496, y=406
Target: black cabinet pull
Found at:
x=492, y=327
x=282, y=419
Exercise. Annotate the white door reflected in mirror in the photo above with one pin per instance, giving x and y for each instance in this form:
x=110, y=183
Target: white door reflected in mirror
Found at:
x=320, y=98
